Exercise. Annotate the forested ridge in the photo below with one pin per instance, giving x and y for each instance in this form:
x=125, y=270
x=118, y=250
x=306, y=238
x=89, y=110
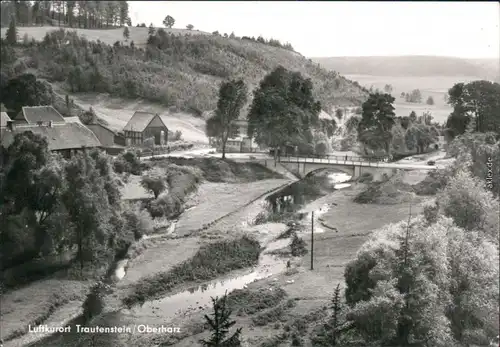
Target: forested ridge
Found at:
x=173, y=67
x=73, y=14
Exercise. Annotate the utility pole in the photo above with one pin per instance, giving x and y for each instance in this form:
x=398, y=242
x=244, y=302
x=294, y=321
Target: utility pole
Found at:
x=312, y=240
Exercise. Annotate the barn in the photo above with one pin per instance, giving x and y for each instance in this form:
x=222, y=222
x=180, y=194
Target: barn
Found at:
x=145, y=125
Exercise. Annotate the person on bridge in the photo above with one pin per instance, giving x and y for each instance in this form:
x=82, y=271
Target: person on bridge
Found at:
x=346, y=158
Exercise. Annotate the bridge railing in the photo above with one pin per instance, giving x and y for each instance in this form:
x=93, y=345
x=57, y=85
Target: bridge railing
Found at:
x=331, y=159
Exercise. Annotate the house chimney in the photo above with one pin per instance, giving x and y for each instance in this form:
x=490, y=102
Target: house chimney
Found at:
x=10, y=125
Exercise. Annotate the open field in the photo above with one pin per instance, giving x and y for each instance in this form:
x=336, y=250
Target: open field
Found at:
x=108, y=36
x=435, y=86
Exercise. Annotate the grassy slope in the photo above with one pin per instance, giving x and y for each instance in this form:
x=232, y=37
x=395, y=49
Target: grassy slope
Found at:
x=176, y=80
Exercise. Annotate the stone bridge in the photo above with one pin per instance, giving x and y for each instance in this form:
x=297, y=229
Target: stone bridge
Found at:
x=352, y=166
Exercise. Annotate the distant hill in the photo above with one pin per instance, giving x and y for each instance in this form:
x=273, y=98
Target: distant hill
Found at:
x=183, y=72
x=414, y=66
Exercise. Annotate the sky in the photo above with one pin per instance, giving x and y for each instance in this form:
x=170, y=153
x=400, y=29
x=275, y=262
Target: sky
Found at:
x=331, y=28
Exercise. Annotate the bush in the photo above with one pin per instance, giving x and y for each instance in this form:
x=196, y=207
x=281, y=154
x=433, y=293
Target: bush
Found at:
x=176, y=136
x=321, y=148
x=270, y=316
x=248, y=302
x=94, y=303
x=298, y=246
x=365, y=178
x=138, y=222
x=128, y=162
x=154, y=182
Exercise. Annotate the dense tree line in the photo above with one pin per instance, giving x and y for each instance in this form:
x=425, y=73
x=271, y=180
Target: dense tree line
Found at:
x=415, y=96
x=49, y=204
x=73, y=14
x=477, y=101
x=377, y=130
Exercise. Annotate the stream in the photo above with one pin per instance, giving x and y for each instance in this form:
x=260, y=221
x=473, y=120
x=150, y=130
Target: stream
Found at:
x=184, y=303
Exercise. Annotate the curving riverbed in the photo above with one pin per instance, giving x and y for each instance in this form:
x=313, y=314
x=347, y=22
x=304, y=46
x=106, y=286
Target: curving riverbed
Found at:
x=187, y=301
x=179, y=304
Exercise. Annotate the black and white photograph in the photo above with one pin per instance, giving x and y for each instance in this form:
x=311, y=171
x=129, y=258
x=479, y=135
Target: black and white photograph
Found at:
x=249, y=173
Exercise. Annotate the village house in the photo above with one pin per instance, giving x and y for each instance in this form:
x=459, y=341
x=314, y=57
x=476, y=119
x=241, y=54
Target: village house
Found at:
x=110, y=140
x=64, y=137
x=145, y=125
x=4, y=119
x=38, y=114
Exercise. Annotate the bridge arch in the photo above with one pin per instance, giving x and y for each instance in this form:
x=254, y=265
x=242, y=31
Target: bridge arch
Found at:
x=303, y=169
x=346, y=170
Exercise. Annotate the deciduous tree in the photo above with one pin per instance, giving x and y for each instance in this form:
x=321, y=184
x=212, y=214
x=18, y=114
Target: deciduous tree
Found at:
x=478, y=100
x=233, y=95
x=154, y=182
x=377, y=120
x=88, y=206
x=169, y=21
x=413, y=117
x=151, y=29
x=415, y=96
x=190, y=27
x=420, y=136
x=25, y=90
x=283, y=109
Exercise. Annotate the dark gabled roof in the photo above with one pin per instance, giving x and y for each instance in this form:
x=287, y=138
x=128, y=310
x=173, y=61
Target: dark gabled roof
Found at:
x=4, y=118
x=140, y=121
x=99, y=125
x=59, y=136
x=34, y=114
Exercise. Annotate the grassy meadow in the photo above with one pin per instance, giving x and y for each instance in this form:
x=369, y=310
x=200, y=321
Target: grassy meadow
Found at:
x=107, y=36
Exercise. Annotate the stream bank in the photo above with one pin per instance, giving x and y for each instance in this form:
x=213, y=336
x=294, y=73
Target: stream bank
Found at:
x=270, y=264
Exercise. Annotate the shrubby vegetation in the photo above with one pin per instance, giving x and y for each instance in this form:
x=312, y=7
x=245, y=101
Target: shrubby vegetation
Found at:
x=434, y=279
x=173, y=69
x=410, y=283
x=67, y=202
x=209, y=262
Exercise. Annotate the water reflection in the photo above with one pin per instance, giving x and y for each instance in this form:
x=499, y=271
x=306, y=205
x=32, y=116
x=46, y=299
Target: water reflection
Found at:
x=171, y=306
